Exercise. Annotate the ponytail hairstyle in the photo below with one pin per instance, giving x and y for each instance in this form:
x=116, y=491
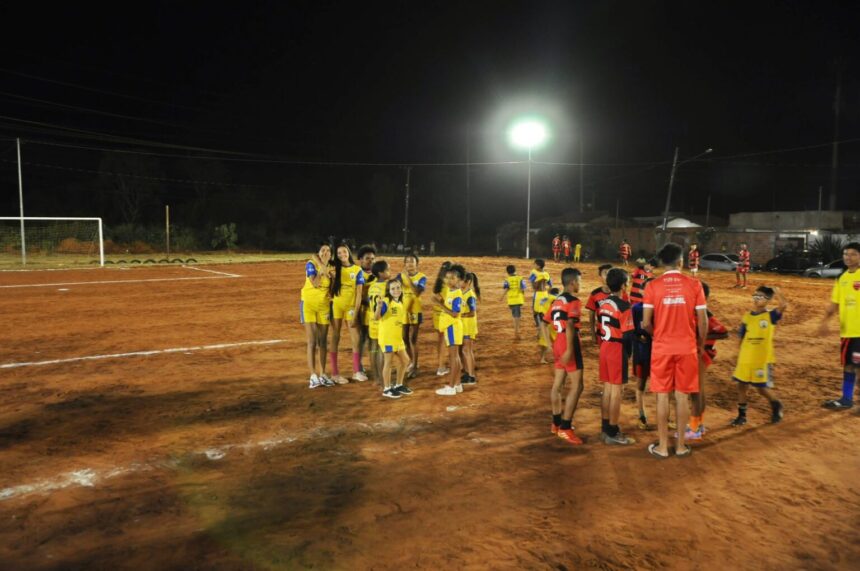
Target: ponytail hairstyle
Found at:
x=338, y=268
x=472, y=278
x=440, y=277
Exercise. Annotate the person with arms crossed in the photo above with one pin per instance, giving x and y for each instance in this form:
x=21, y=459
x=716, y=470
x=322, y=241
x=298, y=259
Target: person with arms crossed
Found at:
x=315, y=313
x=676, y=315
x=845, y=300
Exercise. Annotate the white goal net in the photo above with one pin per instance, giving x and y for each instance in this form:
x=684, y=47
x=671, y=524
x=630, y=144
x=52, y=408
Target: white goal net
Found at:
x=40, y=241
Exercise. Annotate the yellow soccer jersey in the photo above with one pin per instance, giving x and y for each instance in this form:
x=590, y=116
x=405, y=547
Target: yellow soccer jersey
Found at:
x=320, y=291
x=515, y=286
x=443, y=294
x=541, y=302
x=757, y=330
x=454, y=301
x=411, y=301
x=350, y=278
x=391, y=322
x=846, y=293
x=374, y=293
x=470, y=304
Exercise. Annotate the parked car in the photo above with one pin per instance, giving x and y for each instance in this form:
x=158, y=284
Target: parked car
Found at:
x=792, y=262
x=718, y=261
x=832, y=270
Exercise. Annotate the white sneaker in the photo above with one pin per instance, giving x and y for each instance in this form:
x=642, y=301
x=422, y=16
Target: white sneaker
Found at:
x=315, y=382
x=447, y=391
x=442, y=372
x=341, y=380
x=458, y=388
x=359, y=376
x=326, y=380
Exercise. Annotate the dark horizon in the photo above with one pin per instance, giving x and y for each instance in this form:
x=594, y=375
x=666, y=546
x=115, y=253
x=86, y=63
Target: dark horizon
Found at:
x=424, y=84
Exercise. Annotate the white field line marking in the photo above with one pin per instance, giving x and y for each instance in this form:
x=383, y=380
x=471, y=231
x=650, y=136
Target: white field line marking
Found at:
x=142, y=353
x=224, y=277
x=33, y=270
x=88, y=477
x=212, y=271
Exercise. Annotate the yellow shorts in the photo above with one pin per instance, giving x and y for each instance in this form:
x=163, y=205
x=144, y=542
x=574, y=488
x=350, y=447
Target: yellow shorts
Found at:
x=343, y=308
x=470, y=328
x=454, y=334
x=373, y=329
x=389, y=346
x=314, y=311
x=760, y=375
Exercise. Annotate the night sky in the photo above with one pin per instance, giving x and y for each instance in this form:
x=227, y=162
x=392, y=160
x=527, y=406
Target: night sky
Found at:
x=422, y=82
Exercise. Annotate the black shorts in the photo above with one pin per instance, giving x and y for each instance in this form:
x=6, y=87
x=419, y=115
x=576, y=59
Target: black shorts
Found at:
x=538, y=318
x=515, y=310
x=850, y=351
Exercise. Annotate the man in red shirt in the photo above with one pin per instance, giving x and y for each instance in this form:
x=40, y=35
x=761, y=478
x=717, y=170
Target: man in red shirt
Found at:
x=556, y=247
x=743, y=267
x=676, y=315
x=564, y=316
x=616, y=324
x=624, y=251
x=565, y=246
x=693, y=258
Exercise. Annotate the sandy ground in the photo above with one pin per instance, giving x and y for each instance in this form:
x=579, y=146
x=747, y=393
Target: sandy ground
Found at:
x=221, y=458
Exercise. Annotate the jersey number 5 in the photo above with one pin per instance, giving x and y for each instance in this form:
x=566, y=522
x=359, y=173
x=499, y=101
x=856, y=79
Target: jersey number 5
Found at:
x=604, y=327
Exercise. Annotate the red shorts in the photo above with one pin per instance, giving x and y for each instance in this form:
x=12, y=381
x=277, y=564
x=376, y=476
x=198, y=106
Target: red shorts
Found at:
x=675, y=373
x=743, y=269
x=613, y=363
x=850, y=351
x=559, y=346
x=556, y=250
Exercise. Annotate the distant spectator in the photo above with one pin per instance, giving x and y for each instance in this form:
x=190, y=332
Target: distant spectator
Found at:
x=399, y=248
x=422, y=249
x=432, y=248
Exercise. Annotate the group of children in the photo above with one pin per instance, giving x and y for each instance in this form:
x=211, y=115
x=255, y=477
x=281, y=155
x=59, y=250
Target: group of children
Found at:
x=563, y=249
x=616, y=327
x=383, y=313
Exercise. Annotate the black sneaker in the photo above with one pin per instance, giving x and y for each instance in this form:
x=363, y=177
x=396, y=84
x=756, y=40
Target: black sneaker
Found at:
x=391, y=394
x=777, y=412
x=739, y=421
x=838, y=404
x=402, y=390
x=468, y=380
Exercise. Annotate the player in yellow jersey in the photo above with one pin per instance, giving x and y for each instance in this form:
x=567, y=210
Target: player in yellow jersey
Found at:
x=471, y=297
x=314, y=309
x=756, y=357
x=381, y=272
x=346, y=306
x=539, y=273
x=414, y=284
x=391, y=314
x=540, y=305
x=451, y=323
x=845, y=300
x=440, y=290
x=366, y=256
x=577, y=252
x=514, y=287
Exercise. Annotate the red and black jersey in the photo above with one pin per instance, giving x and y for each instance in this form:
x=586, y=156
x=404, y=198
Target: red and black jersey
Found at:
x=564, y=308
x=714, y=326
x=625, y=250
x=693, y=260
x=556, y=242
x=566, y=246
x=615, y=318
x=744, y=257
x=637, y=284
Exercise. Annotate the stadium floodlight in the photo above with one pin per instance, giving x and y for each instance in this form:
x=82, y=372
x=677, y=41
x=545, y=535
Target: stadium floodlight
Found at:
x=530, y=134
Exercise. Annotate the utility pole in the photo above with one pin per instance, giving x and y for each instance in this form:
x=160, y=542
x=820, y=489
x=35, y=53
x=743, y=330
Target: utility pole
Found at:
x=406, y=216
x=669, y=194
x=21, y=204
x=581, y=174
x=820, y=192
x=708, y=213
x=834, y=163
x=468, y=192
x=617, y=208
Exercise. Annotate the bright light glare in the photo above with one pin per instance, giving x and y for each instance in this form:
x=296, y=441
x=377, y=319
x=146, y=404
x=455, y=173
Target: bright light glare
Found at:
x=814, y=232
x=527, y=134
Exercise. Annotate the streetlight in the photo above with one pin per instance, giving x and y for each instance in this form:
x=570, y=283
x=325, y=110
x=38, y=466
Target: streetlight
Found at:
x=528, y=134
x=675, y=165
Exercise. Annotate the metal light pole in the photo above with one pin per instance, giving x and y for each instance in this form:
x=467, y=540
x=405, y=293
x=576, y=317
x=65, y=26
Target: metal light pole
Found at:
x=529, y=203
x=21, y=205
x=528, y=134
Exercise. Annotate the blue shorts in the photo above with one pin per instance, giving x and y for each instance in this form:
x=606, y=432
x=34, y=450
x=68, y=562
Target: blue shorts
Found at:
x=515, y=310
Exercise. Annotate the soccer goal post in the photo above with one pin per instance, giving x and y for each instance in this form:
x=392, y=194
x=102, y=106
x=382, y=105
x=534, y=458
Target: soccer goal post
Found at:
x=51, y=240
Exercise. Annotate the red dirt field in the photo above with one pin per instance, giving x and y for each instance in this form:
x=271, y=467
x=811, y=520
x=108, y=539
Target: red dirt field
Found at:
x=223, y=459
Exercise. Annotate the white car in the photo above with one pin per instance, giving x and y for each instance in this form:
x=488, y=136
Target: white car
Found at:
x=832, y=270
x=717, y=261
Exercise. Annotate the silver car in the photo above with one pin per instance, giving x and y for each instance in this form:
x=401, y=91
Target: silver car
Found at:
x=832, y=270
x=717, y=261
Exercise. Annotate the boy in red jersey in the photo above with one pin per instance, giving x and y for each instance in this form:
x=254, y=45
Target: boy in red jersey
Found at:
x=624, y=251
x=565, y=246
x=556, y=247
x=743, y=267
x=693, y=259
x=564, y=316
x=594, y=298
x=716, y=331
x=675, y=314
x=616, y=325
x=643, y=272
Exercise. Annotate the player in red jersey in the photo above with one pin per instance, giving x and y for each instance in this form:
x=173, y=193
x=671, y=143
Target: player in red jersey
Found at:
x=716, y=331
x=743, y=267
x=676, y=315
x=643, y=272
x=556, y=247
x=616, y=324
x=594, y=298
x=624, y=252
x=565, y=246
x=564, y=316
x=693, y=259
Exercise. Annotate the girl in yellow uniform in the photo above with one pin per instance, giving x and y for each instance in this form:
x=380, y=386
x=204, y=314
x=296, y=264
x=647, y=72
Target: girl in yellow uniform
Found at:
x=414, y=284
x=346, y=289
x=452, y=326
x=540, y=305
x=314, y=308
x=440, y=291
x=391, y=315
x=380, y=271
x=471, y=297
